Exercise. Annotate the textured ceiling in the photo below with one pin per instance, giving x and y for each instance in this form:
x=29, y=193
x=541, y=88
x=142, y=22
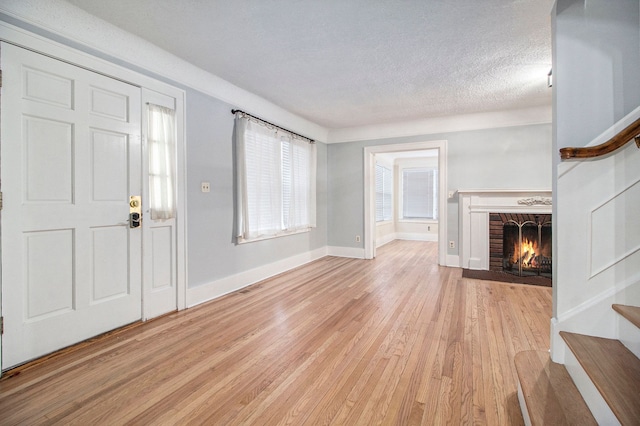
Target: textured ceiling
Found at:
x=345, y=63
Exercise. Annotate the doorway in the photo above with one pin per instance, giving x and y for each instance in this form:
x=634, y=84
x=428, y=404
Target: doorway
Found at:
x=369, y=192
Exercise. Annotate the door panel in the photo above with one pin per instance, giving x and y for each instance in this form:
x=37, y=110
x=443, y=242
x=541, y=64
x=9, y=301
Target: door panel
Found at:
x=162, y=274
x=48, y=274
x=71, y=157
x=48, y=159
x=109, y=166
x=109, y=267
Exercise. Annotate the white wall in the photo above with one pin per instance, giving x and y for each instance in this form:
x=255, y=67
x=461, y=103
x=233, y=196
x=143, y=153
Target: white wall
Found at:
x=596, y=227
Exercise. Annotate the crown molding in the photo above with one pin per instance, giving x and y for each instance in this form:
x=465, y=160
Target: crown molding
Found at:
x=454, y=123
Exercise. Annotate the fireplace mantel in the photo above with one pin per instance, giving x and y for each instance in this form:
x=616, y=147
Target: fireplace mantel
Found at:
x=474, y=208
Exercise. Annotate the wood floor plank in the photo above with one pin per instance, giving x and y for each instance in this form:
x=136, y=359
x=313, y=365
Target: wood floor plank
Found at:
x=393, y=340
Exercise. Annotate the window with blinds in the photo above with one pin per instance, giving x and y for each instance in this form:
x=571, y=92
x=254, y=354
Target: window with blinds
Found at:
x=420, y=193
x=384, y=193
x=276, y=179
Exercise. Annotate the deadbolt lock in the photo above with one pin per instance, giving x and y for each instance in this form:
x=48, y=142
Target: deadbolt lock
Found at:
x=135, y=211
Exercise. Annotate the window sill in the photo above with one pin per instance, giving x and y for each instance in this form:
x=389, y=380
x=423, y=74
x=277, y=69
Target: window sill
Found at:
x=270, y=237
x=384, y=222
x=429, y=221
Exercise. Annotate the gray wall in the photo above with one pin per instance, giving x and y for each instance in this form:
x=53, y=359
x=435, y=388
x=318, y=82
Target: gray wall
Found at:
x=212, y=253
x=504, y=158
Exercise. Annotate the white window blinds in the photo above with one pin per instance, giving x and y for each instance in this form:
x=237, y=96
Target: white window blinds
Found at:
x=384, y=194
x=161, y=146
x=276, y=181
x=420, y=193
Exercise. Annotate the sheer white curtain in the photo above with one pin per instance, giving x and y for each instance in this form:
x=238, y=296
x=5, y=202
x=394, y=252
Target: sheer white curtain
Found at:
x=275, y=181
x=162, y=159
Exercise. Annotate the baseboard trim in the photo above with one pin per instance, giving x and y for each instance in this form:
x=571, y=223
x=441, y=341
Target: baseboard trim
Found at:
x=215, y=289
x=353, y=252
x=414, y=236
x=453, y=261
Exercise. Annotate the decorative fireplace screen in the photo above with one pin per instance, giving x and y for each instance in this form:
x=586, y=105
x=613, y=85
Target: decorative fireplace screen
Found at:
x=521, y=244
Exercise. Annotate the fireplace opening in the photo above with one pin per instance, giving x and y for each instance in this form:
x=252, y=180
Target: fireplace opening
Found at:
x=520, y=246
x=527, y=247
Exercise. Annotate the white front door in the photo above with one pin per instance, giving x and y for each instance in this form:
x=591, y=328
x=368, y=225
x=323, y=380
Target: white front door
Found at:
x=71, y=158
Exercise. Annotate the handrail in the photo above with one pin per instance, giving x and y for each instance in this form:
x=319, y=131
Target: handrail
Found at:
x=630, y=132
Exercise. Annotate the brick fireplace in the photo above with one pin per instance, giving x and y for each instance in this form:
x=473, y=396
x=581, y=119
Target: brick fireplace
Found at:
x=523, y=215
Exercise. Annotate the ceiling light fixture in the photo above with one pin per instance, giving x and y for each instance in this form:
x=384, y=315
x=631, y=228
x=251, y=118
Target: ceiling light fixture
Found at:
x=550, y=78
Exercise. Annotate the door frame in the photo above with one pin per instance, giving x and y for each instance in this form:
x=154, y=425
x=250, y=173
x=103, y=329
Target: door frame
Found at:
x=44, y=46
x=370, y=193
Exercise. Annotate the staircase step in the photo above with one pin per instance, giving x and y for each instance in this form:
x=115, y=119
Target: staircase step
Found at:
x=632, y=313
x=613, y=369
x=550, y=396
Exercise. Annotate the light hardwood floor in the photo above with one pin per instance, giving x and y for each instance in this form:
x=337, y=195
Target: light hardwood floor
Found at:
x=395, y=340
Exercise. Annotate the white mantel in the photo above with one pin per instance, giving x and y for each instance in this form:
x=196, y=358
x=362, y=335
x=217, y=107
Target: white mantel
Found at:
x=475, y=206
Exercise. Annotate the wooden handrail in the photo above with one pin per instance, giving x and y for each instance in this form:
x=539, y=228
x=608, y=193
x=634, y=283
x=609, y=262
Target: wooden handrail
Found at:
x=630, y=132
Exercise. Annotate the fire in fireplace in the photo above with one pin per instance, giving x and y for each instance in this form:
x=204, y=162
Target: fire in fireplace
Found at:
x=521, y=244
x=527, y=248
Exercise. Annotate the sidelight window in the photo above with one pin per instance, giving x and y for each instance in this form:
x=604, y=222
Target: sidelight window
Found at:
x=162, y=159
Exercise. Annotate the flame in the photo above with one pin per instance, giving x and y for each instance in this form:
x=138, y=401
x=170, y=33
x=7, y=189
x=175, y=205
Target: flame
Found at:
x=526, y=253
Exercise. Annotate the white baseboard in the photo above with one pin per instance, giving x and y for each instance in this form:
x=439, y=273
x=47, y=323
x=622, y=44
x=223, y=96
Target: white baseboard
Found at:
x=385, y=240
x=354, y=252
x=453, y=260
x=226, y=285
x=414, y=236
x=556, y=351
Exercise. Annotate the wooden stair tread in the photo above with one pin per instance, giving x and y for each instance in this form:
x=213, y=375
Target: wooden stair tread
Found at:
x=632, y=313
x=550, y=395
x=613, y=369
